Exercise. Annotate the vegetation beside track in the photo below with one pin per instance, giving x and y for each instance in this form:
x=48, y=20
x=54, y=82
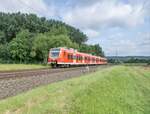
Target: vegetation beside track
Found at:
x=115, y=90
x=11, y=67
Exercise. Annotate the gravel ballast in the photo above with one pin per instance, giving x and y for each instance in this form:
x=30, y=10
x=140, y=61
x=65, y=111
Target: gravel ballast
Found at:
x=13, y=86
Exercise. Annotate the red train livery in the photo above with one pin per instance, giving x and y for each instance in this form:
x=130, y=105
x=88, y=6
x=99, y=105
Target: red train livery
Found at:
x=66, y=57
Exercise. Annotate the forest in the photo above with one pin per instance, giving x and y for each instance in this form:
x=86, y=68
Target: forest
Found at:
x=27, y=38
x=128, y=59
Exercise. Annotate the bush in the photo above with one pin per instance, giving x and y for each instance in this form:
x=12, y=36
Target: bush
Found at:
x=148, y=62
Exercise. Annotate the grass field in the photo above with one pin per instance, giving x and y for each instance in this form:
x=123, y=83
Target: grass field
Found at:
x=115, y=90
x=9, y=67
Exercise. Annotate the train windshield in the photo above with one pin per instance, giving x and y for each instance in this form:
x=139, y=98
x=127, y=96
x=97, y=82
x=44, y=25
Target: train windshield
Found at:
x=54, y=53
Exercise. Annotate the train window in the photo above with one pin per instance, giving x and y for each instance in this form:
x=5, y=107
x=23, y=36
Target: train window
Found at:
x=96, y=60
x=74, y=57
x=68, y=56
x=80, y=58
x=64, y=54
x=54, y=54
x=88, y=58
x=71, y=57
x=85, y=58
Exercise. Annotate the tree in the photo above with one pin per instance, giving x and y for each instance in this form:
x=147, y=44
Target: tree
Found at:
x=2, y=38
x=92, y=49
x=98, y=50
x=43, y=43
x=148, y=63
x=12, y=23
x=4, y=53
x=54, y=30
x=20, y=47
x=76, y=35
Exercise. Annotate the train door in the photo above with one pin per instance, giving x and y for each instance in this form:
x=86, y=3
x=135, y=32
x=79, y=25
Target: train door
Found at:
x=64, y=57
x=77, y=58
x=82, y=59
x=74, y=58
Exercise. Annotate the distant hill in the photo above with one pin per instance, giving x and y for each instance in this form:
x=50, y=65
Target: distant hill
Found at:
x=129, y=59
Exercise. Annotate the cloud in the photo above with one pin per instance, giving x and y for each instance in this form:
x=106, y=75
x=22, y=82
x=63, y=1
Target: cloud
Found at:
x=121, y=16
x=81, y=3
x=105, y=14
x=28, y=6
x=92, y=33
x=126, y=45
x=84, y=14
x=115, y=24
x=145, y=37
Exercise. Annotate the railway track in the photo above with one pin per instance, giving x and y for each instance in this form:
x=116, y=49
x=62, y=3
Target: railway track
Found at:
x=26, y=73
x=13, y=83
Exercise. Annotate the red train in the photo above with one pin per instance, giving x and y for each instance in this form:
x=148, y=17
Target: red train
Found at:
x=65, y=57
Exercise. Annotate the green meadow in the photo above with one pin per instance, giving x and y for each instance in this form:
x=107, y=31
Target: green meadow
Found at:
x=10, y=67
x=114, y=90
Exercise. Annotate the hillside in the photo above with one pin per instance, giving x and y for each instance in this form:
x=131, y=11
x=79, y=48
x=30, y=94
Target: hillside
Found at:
x=27, y=38
x=115, y=90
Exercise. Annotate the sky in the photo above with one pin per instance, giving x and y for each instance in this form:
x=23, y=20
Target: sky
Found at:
x=121, y=27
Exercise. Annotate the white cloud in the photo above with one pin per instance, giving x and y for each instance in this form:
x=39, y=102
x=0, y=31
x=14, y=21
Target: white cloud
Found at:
x=145, y=37
x=94, y=17
x=92, y=33
x=27, y=6
x=105, y=13
x=140, y=45
x=84, y=14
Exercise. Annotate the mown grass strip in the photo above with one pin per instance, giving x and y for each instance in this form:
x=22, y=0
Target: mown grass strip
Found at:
x=12, y=67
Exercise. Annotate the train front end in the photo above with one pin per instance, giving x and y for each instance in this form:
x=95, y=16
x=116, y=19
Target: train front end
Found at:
x=53, y=57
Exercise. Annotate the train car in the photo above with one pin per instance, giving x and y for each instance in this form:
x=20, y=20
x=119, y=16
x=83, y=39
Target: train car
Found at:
x=65, y=57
